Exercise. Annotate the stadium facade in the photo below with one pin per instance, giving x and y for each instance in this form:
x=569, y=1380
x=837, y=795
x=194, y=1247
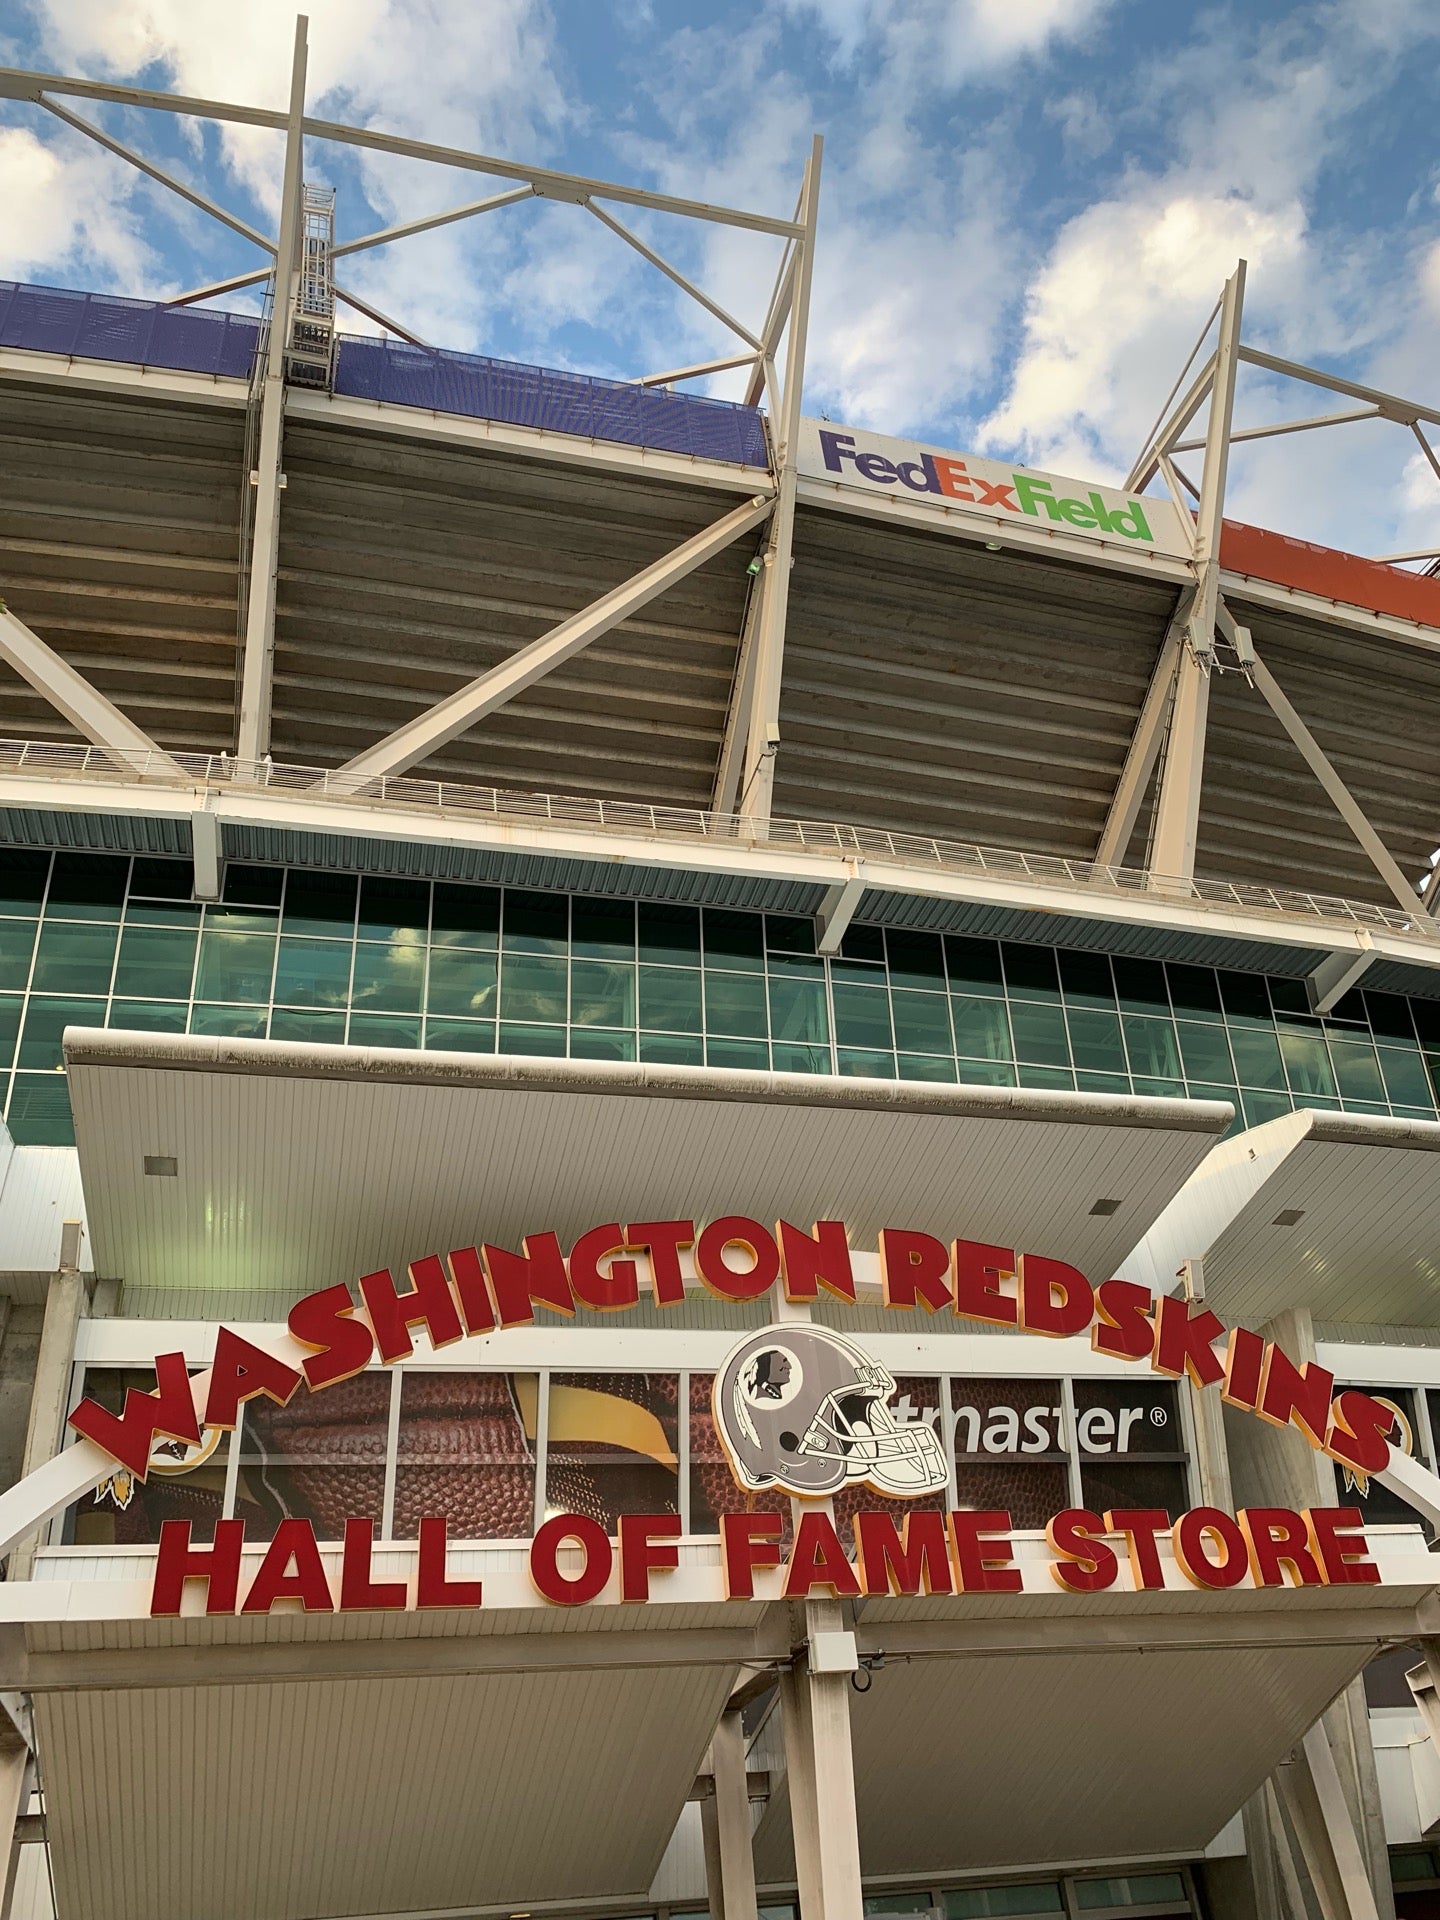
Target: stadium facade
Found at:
x=719, y=1185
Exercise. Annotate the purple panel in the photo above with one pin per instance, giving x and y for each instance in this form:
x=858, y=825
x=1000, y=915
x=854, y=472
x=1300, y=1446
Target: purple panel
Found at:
x=102, y=326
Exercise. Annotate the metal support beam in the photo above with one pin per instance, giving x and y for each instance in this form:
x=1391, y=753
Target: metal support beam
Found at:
x=384, y=235
x=1390, y=404
x=1339, y=794
x=71, y=694
x=673, y=273
x=64, y=1304
x=820, y=1772
x=1286, y=426
x=215, y=288
x=380, y=319
x=258, y=660
x=1309, y=1788
x=1147, y=466
x=837, y=910
x=444, y=722
x=693, y=373
x=725, y=1823
x=206, y=853
x=763, y=718
x=737, y=714
x=1144, y=748
x=1177, y=806
x=1337, y=973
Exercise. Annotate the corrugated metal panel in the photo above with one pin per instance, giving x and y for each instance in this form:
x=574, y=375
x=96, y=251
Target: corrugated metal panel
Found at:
x=39, y=1191
x=92, y=832
x=307, y=1177
x=681, y=1876
x=270, y=1802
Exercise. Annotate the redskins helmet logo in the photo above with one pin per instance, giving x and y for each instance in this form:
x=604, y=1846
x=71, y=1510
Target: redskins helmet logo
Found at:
x=166, y=1456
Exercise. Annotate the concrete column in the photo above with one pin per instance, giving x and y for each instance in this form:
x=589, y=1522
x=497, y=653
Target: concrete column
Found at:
x=725, y=1823
x=1271, y=1466
x=819, y=1766
x=1317, y=1807
x=64, y=1304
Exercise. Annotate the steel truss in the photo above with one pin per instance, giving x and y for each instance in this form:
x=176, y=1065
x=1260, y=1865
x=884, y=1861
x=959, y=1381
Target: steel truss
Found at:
x=778, y=341
x=1204, y=637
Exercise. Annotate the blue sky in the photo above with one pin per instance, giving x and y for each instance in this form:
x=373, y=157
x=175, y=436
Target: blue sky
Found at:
x=1028, y=206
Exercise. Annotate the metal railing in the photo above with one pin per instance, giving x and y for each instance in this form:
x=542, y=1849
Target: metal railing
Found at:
x=204, y=773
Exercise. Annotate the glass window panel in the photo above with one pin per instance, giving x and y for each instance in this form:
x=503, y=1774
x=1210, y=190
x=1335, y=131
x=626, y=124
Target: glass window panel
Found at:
x=986, y=1073
x=1246, y=998
x=465, y=916
x=735, y=1004
x=1105, y=1484
x=734, y=940
x=253, y=886
x=794, y=933
x=534, y=986
x=319, y=903
x=672, y=1049
x=862, y=1015
x=864, y=972
x=597, y=1043
x=669, y=934
x=1349, y=1010
x=232, y=1023
x=916, y=959
x=460, y=1036
x=792, y=1056
x=1040, y=1036
x=1426, y=1015
x=11, y=1007
x=549, y=1042
x=46, y=1021
x=1162, y=1088
x=1133, y=1890
x=536, y=922
x=1057, y=1079
x=87, y=886
x=1086, y=979
x=149, y=1016
x=613, y=1445
x=798, y=1012
x=749, y=1055
x=603, y=929
x=982, y=1028
x=1257, y=1057
x=1007, y=1419
x=1389, y=1014
x=1413, y=1866
x=163, y=913
x=972, y=964
x=1095, y=1041
x=1111, y=1083
x=389, y=976
x=1030, y=972
x=1127, y=1419
x=39, y=1114
x=161, y=879
x=466, y=1451
x=978, y=1903
x=1357, y=1071
x=384, y=1030
x=1194, y=992
x=241, y=920
x=670, y=999
x=17, y=944
x=1289, y=996
x=925, y=1066
x=1140, y=986
x=310, y=1025
x=73, y=958
x=235, y=966
x=863, y=944
x=1031, y=1494
x=602, y=994
x=809, y=966
x=461, y=982
x=1204, y=1052
x=713, y=1490
x=312, y=973
x=922, y=1022
x=1260, y=1107
x=23, y=873
x=1406, y=1081
x=156, y=962
x=391, y=908
x=864, y=1064
x=1378, y=1505
x=321, y=1458
x=1152, y=1047
x=882, y=1903
x=183, y=1483
x=1307, y=1062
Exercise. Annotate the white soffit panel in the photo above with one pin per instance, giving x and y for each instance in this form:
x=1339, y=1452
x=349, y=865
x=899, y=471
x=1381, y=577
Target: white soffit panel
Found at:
x=298, y=1166
x=1337, y=1212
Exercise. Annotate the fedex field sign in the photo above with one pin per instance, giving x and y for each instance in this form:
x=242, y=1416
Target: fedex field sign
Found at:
x=1005, y=495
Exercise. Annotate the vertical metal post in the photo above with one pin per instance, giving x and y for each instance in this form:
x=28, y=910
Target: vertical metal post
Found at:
x=1177, y=813
x=762, y=735
x=64, y=1306
x=820, y=1778
x=258, y=661
x=725, y=1820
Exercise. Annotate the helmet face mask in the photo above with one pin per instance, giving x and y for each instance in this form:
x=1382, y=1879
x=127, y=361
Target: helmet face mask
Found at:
x=802, y=1408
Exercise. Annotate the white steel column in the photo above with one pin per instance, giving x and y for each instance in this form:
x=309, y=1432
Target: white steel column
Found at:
x=71, y=694
x=761, y=729
x=64, y=1304
x=725, y=1820
x=258, y=665
x=820, y=1773
x=1314, y=1801
x=1177, y=813
x=1144, y=748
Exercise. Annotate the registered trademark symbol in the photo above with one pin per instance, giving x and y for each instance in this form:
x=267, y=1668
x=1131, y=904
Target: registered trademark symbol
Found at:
x=1157, y=1416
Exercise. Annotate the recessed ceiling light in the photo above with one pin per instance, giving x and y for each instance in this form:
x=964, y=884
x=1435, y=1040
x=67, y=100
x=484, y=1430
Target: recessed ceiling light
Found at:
x=1288, y=1217
x=164, y=1164
x=1104, y=1208
x=992, y=546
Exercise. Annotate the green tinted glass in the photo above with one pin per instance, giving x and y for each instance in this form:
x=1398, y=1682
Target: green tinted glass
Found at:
x=536, y=922
x=319, y=903
x=234, y=966
x=1040, y=1037
x=982, y=1029
x=391, y=907
x=72, y=957
x=1405, y=1078
x=602, y=994
x=922, y=1022
x=1204, y=1051
x=547, y=1041
x=1307, y=1063
x=669, y=934
x=312, y=973
x=594, y=1043
x=862, y=1016
x=670, y=999
x=465, y=916
x=460, y=1036
x=87, y=886
x=1095, y=1040
x=533, y=987
x=389, y=976
x=924, y=1066
x=231, y=1023
x=11, y=1006
x=1152, y=1047
x=23, y=874
x=1357, y=1071
x=602, y=929
x=384, y=1030
x=461, y=983
x=798, y=1013
x=864, y=1063
x=752, y=1055
x=156, y=962
x=149, y=1016
x=735, y=1004
x=1257, y=1057
x=672, y=1049
x=312, y=1026
x=734, y=941
x=17, y=944
x=39, y=1113
x=793, y=1056
x=972, y=965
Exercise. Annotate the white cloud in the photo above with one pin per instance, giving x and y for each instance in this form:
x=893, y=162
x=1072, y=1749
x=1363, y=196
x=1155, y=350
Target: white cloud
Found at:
x=940, y=44
x=66, y=207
